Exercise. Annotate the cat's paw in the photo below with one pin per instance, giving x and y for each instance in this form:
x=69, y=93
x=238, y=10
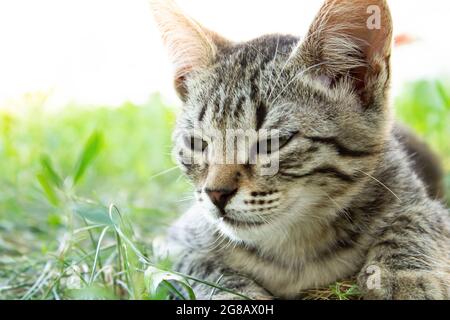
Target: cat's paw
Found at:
x=405, y=285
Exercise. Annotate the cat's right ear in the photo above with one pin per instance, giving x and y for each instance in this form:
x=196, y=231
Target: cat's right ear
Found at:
x=191, y=47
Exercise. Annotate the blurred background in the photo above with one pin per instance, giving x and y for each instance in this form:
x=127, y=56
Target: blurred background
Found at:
x=86, y=112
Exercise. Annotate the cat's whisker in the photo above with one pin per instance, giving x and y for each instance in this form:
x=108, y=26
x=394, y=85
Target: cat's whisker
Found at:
x=179, y=178
x=163, y=173
x=294, y=78
x=261, y=217
x=185, y=199
x=339, y=208
x=279, y=77
x=273, y=64
x=379, y=182
x=221, y=238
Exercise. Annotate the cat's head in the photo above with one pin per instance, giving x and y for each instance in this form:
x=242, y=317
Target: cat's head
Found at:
x=325, y=97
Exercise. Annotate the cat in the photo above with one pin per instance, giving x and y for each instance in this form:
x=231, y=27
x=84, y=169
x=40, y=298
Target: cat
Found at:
x=346, y=200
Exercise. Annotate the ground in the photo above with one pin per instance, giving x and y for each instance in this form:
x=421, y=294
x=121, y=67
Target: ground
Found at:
x=85, y=190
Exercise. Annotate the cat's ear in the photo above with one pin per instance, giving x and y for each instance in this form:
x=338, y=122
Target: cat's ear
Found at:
x=191, y=46
x=350, y=38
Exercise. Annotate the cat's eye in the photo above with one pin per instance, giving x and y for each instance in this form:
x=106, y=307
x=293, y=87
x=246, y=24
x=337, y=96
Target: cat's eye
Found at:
x=273, y=144
x=195, y=144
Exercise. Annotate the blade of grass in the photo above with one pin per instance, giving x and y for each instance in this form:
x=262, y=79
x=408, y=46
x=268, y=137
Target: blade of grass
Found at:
x=97, y=258
x=50, y=193
x=36, y=286
x=50, y=172
x=173, y=289
x=90, y=151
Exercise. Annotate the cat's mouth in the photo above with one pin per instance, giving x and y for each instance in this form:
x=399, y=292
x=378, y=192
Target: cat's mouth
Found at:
x=241, y=223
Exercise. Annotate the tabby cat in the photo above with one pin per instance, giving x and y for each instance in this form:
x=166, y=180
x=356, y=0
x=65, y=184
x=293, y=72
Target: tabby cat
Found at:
x=346, y=200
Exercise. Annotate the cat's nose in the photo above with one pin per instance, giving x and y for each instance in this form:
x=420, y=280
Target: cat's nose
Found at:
x=221, y=197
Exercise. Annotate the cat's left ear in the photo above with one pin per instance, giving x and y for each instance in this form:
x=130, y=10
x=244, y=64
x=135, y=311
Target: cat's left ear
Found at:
x=350, y=39
x=191, y=46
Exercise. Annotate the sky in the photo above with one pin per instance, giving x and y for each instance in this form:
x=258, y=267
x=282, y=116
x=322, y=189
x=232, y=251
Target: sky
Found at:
x=105, y=52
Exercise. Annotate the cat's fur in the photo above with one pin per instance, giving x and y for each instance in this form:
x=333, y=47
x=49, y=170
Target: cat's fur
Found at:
x=346, y=200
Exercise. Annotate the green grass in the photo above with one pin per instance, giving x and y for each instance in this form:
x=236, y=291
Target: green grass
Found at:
x=425, y=107
x=60, y=174
x=85, y=190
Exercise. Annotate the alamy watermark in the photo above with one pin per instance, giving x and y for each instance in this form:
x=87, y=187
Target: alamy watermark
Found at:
x=374, y=277
x=374, y=20
x=232, y=147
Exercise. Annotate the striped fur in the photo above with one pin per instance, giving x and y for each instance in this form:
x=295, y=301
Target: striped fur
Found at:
x=346, y=199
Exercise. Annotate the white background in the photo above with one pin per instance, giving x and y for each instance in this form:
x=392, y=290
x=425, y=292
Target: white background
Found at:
x=109, y=51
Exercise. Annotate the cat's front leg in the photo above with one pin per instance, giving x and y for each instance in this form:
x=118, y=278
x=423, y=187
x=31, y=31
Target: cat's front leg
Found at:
x=245, y=287
x=409, y=260
x=212, y=270
x=407, y=285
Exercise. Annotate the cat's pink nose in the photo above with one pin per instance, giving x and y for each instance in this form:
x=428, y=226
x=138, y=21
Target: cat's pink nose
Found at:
x=220, y=198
